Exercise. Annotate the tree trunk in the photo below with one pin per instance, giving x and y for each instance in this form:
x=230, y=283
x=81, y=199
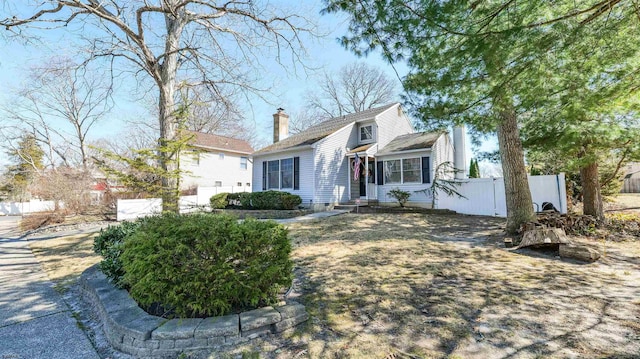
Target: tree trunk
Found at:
x=167, y=114
x=591, y=196
x=516, y=183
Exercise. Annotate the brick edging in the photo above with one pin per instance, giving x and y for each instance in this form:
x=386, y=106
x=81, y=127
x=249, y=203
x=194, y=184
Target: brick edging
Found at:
x=131, y=330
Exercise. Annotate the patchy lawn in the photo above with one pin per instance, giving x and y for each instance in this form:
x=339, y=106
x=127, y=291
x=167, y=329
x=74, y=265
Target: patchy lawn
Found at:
x=64, y=258
x=393, y=286
x=436, y=286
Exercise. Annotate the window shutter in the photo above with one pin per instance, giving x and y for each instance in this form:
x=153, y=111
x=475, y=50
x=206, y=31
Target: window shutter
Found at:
x=426, y=167
x=380, y=172
x=264, y=175
x=296, y=173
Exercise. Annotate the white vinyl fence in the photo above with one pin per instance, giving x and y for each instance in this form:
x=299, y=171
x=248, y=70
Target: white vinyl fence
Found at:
x=128, y=209
x=19, y=208
x=486, y=197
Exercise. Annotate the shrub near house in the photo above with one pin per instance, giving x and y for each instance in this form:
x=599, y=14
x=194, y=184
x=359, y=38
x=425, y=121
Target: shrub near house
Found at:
x=269, y=200
x=203, y=265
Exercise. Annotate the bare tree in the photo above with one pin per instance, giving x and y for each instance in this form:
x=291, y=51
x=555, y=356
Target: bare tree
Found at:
x=60, y=104
x=176, y=43
x=356, y=87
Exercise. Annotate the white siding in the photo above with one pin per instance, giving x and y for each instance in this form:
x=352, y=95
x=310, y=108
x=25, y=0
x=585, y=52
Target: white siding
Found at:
x=416, y=199
x=331, y=166
x=390, y=126
x=442, y=152
x=306, y=172
x=211, y=169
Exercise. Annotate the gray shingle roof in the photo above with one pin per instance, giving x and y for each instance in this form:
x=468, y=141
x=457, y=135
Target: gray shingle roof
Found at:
x=412, y=141
x=315, y=133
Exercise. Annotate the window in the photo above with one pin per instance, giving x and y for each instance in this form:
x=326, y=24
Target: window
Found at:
x=243, y=163
x=248, y=184
x=239, y=184
x=221, y=156
x=392, y=172
x=286, y=173
x=366, y=133
x=218, y=184
x=407, y=170
x=411, y=170
x=281, y=174
x=273, y=174
x=196, y=158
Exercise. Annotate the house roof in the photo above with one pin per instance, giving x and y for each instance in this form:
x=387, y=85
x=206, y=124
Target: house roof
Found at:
x=360, y=149
x=412, y=141
x=217, y=142
x=315, y=133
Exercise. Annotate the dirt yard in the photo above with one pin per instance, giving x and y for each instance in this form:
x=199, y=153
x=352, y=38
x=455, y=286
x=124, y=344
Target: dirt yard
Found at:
x=436, y=286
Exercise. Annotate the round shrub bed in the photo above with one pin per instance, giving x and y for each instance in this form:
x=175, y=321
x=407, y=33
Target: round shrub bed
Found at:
x=194, y=266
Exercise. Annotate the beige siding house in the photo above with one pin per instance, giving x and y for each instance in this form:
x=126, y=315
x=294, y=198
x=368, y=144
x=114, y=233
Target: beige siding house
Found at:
x=357, y=157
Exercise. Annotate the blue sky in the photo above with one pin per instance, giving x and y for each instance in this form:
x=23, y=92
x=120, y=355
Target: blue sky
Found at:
x=325, y=54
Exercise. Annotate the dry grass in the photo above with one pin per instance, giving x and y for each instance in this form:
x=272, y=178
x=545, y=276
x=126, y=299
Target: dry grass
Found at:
x=436, y=286
x=439, y=286
x=64, y=258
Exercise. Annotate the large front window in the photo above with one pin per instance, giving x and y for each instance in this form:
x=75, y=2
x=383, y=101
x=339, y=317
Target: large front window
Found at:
x=392, y=172
x=411, y=171
x=407, y=170
x=273, y=174
x=286, y=171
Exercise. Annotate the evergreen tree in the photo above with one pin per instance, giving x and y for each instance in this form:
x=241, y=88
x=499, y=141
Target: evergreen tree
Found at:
x=484, y=64
x=474, y=169
x=27, y=157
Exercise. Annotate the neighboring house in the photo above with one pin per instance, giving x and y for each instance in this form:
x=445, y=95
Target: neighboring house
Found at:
x=318, y=164
x=631, y=182
x=217, y=161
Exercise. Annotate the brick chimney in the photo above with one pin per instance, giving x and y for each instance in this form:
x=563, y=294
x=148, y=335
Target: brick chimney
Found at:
x=280, y=125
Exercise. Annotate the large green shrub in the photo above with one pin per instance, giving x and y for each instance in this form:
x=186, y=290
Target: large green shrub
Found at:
x=266, y=200
x=274, y=200
x=110, y=244
x=204, y=265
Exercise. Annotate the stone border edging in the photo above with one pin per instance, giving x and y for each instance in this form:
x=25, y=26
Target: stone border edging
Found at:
x=130, y=329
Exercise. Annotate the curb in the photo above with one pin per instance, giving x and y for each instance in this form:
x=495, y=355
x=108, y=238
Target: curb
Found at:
x=131, y=330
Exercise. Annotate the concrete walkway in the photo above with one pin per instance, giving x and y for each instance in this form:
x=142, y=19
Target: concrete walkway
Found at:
x=34, y=320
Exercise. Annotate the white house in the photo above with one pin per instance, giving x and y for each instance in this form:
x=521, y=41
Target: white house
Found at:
x=319, y=164
x=217, y=161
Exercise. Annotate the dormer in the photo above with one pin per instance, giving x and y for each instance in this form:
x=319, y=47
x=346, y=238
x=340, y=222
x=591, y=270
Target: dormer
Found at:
x=367, y=132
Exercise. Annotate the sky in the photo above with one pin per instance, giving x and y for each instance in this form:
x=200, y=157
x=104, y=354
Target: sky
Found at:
x=324, y=54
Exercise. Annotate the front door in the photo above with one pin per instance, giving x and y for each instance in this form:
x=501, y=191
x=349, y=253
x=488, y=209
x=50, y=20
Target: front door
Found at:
x=363, y=185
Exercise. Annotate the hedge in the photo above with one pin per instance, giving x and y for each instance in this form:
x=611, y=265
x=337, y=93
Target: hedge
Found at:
x=207, y=265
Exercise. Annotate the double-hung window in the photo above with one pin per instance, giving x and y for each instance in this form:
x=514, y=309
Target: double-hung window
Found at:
x=366, y=133
x=273, y=174
x=392, y=171
x=286, y=173
x=411, y=172
x=243, y=163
